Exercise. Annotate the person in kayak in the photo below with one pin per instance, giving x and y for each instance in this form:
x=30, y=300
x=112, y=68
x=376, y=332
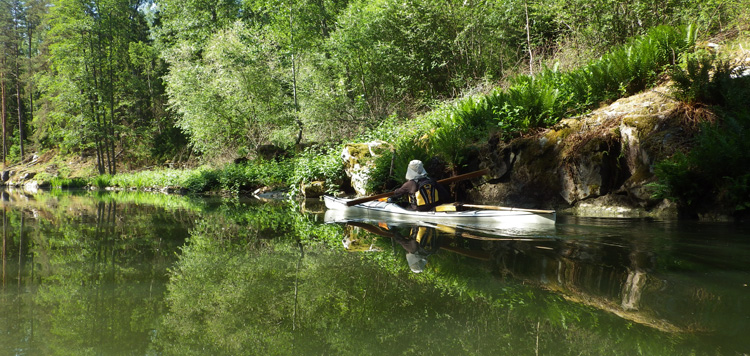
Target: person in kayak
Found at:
x=424, y=193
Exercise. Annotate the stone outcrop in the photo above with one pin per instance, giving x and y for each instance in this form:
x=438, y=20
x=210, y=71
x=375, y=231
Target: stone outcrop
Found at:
x=359, y=161
x=599, y=164
x=314, y=189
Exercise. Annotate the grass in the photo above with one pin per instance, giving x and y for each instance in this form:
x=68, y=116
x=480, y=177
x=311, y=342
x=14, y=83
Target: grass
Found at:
x=232, y=178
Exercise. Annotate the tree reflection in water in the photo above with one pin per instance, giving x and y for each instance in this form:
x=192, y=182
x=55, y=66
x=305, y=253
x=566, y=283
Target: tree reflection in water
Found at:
x=112, y=274
x=619, y=277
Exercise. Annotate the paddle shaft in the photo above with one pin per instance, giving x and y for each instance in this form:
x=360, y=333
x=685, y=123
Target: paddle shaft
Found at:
x=492, y=207
x=442, y=181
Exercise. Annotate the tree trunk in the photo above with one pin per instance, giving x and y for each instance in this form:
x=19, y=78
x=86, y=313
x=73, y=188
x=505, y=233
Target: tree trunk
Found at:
x=2, y=112
x=111, y=132
x=294, y=79
x=20, y=112
x=528, y=39
x=30, y=94
x=93, y=99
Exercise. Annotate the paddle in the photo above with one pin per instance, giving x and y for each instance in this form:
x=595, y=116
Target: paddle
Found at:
x=492, y=207
x=457, y=178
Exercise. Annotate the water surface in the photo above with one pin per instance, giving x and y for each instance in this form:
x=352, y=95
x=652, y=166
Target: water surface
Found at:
x=142, y=274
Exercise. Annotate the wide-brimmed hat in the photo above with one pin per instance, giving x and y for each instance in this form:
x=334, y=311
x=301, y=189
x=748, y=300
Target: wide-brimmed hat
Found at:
x=415, y=170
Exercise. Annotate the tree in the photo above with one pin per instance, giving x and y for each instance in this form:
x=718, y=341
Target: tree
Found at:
x=7, y=35
x=93, y=88
x=265, y=46
x=231, y=98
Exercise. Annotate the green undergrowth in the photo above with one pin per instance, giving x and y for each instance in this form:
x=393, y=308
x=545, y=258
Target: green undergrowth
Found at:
x=312, y=164
x=714, y=174
x=447, y=138
x=231, y=178
x=541, y=100
x=68, y=183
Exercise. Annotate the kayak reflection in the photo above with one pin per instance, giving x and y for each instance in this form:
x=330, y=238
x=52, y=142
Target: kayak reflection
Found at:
x=422, y=240
x=419, y=241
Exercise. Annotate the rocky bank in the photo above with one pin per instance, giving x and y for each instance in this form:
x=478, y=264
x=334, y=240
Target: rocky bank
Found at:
x=599, y=164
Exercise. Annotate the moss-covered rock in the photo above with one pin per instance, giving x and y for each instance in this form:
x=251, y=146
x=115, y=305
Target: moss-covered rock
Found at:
x=359, y=161
x=599, y=164
x=314, y=189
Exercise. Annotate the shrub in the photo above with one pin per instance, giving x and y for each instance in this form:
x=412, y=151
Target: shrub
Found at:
x=236, y=177
x=625, y=70
x=202, y=181
x=317, y=164
x=701, y=78
x=713, y=174
x=61, y=183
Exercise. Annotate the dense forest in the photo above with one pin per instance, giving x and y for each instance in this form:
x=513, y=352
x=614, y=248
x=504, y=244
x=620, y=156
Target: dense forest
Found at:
x=139, y=82
x=136, y=84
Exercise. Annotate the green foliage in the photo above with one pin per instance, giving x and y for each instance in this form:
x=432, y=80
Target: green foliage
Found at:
x=599, y=23
x=102, y=181
x=154, y=179
x=240, y=74
x=203, y=181
x=529, y=103
x=255, y=174
x=442, y=139
x=94, y=98
x=317, y=164
x=738, y=191
x=230, y=179
x=677, y=182
x=701, y=78
x=61, y=183
x=715, y=171
x=713, y=174
x=405, y=53
x=240, y=101
x=540, y=101
x=532, y=102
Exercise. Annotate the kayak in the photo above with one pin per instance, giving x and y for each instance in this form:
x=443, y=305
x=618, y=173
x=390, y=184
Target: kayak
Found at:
x=491, y=216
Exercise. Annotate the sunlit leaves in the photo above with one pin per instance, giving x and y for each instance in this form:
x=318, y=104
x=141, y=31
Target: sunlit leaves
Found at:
x=92, y=94
x=231, y=98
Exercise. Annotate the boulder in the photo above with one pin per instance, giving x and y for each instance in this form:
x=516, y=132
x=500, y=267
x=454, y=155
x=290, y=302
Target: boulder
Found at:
x=31, y=186
x=359, y=161
x=26, y=176
x=608, y=153
x=314, y=189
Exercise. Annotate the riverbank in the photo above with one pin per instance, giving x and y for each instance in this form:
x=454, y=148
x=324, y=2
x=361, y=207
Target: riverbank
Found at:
x=642, y=155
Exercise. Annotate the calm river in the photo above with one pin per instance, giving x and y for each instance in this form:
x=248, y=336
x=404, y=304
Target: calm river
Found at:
x=150, y=274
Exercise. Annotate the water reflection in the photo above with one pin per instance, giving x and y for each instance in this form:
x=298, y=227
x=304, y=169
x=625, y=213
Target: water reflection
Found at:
x=144, y=274
x=623, y=271
x=419, y=242
x=82, y=275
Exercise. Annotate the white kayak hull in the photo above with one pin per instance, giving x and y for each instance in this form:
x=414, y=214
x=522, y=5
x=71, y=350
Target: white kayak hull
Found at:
x=376, y=210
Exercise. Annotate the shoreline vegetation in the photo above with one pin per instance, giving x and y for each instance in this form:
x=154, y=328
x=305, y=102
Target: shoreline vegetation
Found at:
x=710, y=81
